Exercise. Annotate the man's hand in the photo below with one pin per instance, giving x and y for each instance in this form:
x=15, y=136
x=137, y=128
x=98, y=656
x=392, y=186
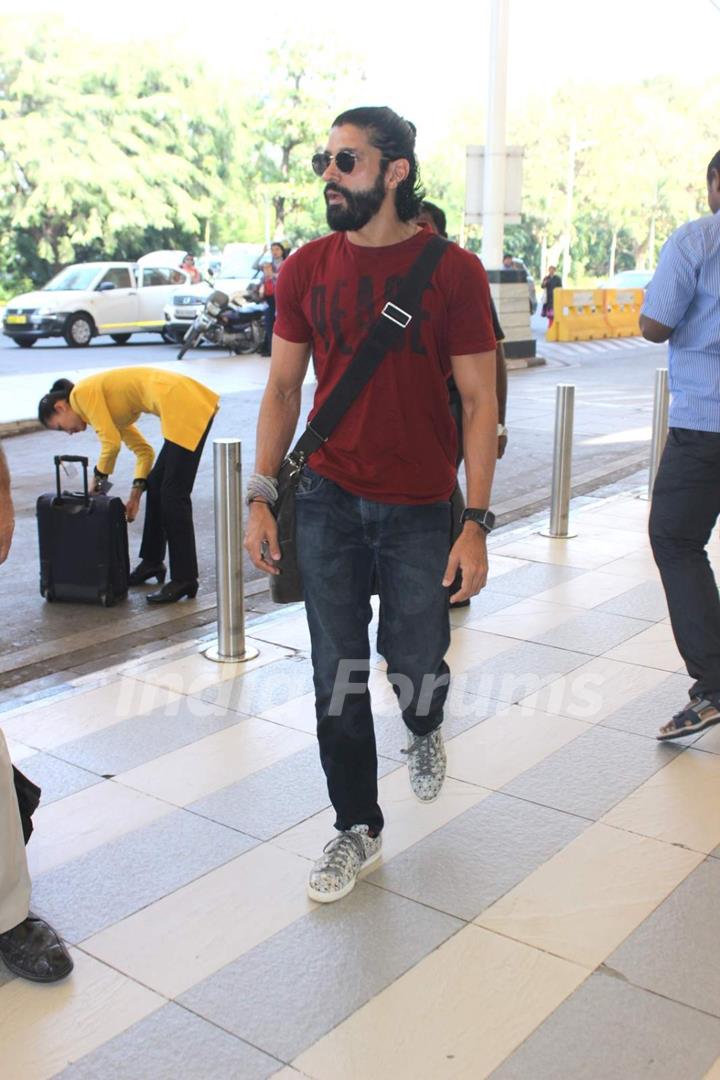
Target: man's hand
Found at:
x=468, y=554
x=7, y=527
x=261, y=539
x=132, y=506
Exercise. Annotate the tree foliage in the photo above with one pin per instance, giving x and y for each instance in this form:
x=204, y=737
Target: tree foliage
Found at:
x=110, y=152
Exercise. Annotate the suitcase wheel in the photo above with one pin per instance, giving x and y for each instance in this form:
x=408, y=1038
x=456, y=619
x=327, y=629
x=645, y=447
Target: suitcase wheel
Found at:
x=107, y=599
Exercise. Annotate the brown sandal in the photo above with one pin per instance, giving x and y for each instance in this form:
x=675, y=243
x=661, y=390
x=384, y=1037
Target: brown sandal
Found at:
x=700, y=714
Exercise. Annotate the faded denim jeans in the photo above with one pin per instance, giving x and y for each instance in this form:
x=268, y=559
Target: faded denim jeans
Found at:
x=346, y=544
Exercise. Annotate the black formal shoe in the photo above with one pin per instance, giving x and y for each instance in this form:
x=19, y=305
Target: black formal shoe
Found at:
x=146, y=570
x=173, y=591
x=33, y=950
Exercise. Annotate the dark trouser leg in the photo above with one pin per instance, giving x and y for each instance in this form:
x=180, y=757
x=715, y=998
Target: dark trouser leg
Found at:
x=179, y=469
x=685, y=507
x=269, y=320
x=412, y=552
x=336, y=561
x=154, y=540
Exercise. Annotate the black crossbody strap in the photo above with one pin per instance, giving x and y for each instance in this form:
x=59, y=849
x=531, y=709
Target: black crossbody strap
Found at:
x=386, y=332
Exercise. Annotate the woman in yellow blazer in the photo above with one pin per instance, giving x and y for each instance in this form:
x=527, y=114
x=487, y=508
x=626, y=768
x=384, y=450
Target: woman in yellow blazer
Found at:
x=111, y=403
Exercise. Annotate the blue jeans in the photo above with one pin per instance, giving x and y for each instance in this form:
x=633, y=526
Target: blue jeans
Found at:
x=345, y=544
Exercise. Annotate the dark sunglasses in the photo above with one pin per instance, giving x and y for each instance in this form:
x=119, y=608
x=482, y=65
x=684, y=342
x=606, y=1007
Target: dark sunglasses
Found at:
x=344, y=159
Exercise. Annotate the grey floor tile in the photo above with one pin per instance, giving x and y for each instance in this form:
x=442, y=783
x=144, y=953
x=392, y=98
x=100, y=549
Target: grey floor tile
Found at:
x=676, y=950
x=593, y=632
x=276, y=798
x=289, y=991
x=532, y=578
x=261, y=689
x=518, y=672
x=608, y=1030
x=173, y=1044
x=133, y=742
x=646, y=601
x=462, y=711
x=84, y=896
x=593, y=772
x=644, y=714
x=470, y=863
x=485, y=603
x=56, y=778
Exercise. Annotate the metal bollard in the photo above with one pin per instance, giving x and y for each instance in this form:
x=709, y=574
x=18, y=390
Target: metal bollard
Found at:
x=562, y=464
x=230, y=646
x=660, y=425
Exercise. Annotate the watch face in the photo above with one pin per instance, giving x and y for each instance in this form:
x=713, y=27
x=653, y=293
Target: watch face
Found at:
x=484, y=518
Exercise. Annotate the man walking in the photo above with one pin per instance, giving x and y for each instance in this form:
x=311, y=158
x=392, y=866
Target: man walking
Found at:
x=373, y=504
x=29, y=946
x=682, y=306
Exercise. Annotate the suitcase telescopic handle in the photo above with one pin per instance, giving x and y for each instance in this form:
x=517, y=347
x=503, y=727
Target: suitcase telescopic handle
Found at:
x=81, y=461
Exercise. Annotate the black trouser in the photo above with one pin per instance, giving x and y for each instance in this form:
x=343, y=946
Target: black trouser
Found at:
x=685, y=507
x=168, y=509
x=269, y=320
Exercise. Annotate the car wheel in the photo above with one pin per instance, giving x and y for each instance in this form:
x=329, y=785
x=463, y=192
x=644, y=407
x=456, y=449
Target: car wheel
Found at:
x=78, y=331
x=25, y=341
x=171, y=337
x=121, y=339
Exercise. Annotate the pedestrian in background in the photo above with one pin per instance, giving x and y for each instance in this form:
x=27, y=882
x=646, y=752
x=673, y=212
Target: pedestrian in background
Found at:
x=188, y=265
x=271, y=269
x=111, y=403
x=373, y=502
x=433, y=217
x=550, y=283
x=682, y=306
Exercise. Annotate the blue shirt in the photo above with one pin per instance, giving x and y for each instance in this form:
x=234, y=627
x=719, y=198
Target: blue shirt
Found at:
x=685, y=294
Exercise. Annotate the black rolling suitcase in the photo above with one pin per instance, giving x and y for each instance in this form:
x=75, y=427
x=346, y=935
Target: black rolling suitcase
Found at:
x=83, y=544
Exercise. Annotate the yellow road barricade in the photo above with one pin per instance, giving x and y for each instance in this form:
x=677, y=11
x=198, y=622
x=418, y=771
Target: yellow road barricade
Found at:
x=622, y=311
x=585, y=314
x=579, y=315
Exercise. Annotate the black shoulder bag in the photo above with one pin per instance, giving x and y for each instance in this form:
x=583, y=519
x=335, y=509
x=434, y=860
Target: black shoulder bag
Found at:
x=286, y=587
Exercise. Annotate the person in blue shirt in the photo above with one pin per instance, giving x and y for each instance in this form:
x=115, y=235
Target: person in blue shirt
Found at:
x=682, y=307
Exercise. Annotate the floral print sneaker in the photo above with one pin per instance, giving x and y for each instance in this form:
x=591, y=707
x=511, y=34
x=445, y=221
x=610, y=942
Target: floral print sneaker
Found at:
x=427, y=762
x=336, y=871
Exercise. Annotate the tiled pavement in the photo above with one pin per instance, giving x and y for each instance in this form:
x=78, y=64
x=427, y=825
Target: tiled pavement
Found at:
x=552, y=915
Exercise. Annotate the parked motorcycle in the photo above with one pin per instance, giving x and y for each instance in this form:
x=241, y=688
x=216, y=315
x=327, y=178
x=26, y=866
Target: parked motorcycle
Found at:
x=228, y=323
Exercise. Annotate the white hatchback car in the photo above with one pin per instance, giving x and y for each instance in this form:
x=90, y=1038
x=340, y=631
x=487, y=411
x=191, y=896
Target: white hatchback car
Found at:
x=88, y=299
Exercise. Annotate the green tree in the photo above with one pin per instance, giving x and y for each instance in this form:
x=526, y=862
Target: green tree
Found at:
x=101, y=152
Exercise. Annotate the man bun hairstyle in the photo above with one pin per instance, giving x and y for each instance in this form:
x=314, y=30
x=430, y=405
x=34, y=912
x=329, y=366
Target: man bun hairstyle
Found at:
x=59, y=391
x=394, y=137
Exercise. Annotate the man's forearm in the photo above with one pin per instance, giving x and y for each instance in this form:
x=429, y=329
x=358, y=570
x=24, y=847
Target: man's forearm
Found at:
x=480, y=446
x=277, y=421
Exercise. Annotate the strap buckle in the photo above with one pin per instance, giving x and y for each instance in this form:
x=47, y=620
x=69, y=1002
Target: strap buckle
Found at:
x=322, y=438
x=405, y=315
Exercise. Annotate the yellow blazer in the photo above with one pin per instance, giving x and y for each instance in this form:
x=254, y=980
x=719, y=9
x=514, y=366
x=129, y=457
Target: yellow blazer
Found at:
x=112, y=401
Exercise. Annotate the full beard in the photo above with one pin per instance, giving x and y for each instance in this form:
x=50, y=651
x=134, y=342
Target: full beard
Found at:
x=359, y=208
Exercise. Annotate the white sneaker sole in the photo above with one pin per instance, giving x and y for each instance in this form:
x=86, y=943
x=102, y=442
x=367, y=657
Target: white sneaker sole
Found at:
x=329, y=898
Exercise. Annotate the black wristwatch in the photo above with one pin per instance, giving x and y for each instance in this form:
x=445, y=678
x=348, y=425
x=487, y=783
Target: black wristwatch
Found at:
x=484, y=518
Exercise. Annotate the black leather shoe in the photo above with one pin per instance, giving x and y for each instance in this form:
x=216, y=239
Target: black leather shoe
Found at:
x=146, y=570
x=173, y=591
x=33, y=950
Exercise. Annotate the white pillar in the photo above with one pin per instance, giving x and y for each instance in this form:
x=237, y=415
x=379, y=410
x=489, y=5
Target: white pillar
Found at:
x=494, y=177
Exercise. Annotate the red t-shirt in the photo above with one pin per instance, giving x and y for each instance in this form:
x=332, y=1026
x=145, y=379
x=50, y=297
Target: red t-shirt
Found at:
x=397, y=441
